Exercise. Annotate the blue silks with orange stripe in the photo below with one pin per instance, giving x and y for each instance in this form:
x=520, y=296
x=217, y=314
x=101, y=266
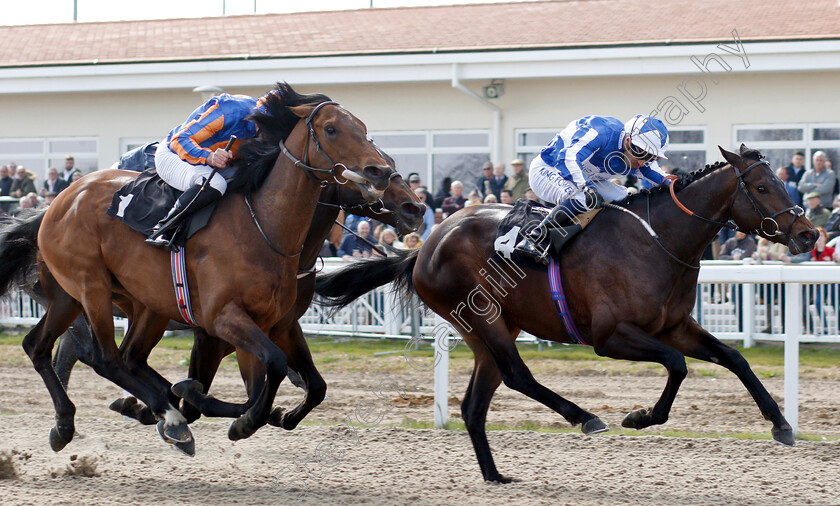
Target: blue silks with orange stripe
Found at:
x=210, y=126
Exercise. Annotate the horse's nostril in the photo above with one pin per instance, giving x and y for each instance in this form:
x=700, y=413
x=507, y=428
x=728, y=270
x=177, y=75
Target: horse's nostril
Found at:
x=411, y=210
x=373, y=171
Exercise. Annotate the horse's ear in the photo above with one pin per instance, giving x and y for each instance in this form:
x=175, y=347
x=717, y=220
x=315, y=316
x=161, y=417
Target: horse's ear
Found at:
x=302, y=111
x=744, y=148
x=730, y=157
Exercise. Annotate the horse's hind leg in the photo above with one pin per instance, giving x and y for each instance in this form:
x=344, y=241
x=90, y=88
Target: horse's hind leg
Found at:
x=695, y=342
x=38, y=345
x=484, y=381
x=629, y=342
x=292, y=342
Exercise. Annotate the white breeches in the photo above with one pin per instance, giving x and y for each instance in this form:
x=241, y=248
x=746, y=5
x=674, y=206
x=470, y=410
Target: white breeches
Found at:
x=180, y=174
x=550, y=186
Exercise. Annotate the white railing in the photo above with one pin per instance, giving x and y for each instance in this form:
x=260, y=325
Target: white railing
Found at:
x=735, y=301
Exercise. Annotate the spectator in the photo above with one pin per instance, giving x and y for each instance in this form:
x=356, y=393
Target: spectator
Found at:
x=768, y=250
x=53, y=184
x=490, y=199
x=815, y=211
x=23, y=184
x=456, y=201
x=23, y=203
x=507, y=196
x=412, y=241
x=821, y=252
x=48, y=198
x=428, y=216
x=819, y=179
x=790, y=186
x=388, y=240
x=499, y=180
x=33, y=199
x=832, y=226
x=444, y=192
x=352, y=221
x=69, y=169
x=796, y=168
x=76, y=176
x=518, y=182
x=353, y=247
x=530, y=195
x=483, y=183
x=5, y=188
x=473, y=199
x=414, y=182
x=738, y=247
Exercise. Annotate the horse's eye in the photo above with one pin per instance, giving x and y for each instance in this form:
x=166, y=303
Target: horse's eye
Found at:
x=762, y=189
x=330, y=130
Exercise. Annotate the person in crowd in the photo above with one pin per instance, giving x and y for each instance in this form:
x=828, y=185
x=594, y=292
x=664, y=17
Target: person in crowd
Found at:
x=490, y=199
x=69, y=169
x=814, y=209
x=473, y=199
x=53, y=183
x=768, y=250
x=783, y=174
x=6, y=181
x=428, y=216
x=822, y=252
x=483, y=183
x=507, y=196
x=414, y=182
x=23, y=203
x=49, y=197
x=739, y=247
x=352, y=221
x=499, y=180
x=530, y=195
x=574, y=170
x=832, y=225
x=818, y=179
x=455, y=201
x=444, y=192
x=796, y=168
x=76, y=176
x=388, y=240
x=353, y=247
x=24, y=183
x=518, y=182
x=412, y=241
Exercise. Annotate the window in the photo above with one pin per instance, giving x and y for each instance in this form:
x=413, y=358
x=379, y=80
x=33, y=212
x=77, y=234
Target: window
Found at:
x=687, y=149
x=436, y=154
x=38, y=154
x=778, y=143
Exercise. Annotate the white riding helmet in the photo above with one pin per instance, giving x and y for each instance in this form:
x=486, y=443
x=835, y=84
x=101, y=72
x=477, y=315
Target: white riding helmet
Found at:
x=648, y=134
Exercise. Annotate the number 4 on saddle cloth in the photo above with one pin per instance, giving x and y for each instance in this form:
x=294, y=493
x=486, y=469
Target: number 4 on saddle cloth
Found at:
x=525, y=217
x=143, y=202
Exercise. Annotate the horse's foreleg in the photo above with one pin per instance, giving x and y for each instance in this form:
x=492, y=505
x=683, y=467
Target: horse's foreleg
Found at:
x=516, y=376
x=695, y=342
x=237, y=328
x=629, y=342
x=38, y=345
x=294, y=345
x=484, y=381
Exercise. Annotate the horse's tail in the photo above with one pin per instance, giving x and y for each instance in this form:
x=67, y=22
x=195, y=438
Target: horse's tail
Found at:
x=340, y=288
x=18, y=247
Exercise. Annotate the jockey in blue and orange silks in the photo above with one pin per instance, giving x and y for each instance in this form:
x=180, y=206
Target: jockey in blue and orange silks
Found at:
x=575, y=169
x=195, y=148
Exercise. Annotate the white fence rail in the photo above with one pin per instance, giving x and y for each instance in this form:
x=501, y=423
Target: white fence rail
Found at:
x=735, y=301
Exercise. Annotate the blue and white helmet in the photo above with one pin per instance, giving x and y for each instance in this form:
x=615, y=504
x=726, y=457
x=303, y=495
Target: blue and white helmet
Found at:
x=648, y=134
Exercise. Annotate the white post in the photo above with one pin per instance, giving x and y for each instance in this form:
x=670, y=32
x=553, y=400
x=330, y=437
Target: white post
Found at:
x=793, y=331
x=391, y=310
x=748, y=312
x=441, y=347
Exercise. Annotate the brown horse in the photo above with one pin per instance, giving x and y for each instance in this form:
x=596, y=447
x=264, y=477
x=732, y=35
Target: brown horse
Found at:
x=630, y=294
x=242, y=268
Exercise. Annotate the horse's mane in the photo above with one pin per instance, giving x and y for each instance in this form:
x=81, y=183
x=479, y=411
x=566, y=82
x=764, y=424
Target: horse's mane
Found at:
x=685, y=179
x=275, y=122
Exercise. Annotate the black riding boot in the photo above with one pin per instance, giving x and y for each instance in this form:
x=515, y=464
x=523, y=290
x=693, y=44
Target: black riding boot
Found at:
x=556, y=228
x=193, y=199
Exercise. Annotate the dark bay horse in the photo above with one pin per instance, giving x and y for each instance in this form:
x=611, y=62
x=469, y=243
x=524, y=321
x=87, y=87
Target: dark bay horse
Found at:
x=242, y=268
x=630, y=298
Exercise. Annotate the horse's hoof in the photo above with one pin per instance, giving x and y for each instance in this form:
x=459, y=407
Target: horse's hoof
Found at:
x=186, y=388
x=498, y=478
x=241, y=428
x=57, y=442
x=119, y=404
x=638, y=419
x=784, y=435
x=594, y=426
x=174, y=433
x=275, y=419
x=187, y=448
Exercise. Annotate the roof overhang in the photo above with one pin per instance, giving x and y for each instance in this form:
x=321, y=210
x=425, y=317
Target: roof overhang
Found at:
x=779, y=57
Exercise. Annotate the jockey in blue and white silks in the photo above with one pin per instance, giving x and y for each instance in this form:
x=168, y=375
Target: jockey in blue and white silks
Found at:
x=575, y=169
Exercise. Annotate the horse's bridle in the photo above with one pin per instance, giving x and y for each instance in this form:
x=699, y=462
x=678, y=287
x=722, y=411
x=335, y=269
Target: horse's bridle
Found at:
x=766, y=217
